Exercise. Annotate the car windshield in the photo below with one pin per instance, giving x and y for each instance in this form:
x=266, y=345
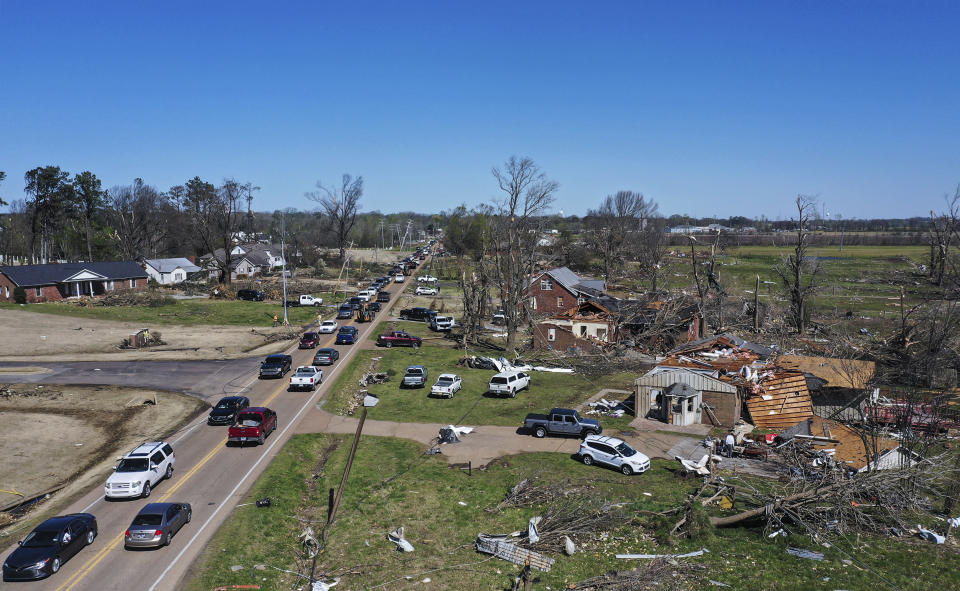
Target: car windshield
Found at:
x=152, y=519
x=625, y=450
x=304, y=371
x=132, y=465
x=445, y=381
x=329, y=323
x=227, y=404
x=42, y=538
x=309, y=335
x=413, y=371
x=498, y=381
x=273, y=361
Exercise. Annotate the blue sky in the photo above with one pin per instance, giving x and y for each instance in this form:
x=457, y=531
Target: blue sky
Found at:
x=709, y=108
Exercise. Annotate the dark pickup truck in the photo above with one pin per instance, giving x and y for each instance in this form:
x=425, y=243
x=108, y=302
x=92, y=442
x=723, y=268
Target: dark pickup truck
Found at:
x=275, y=366
x=253, y=424
x=561, y=421
x=398, y=338
x=421, y=314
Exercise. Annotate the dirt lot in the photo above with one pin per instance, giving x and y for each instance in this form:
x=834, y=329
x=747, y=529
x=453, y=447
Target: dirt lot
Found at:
x=66, y=434
x=61, y=338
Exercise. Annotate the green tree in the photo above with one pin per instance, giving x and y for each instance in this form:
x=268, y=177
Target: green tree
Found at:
x=88, y=200
x=49, y=202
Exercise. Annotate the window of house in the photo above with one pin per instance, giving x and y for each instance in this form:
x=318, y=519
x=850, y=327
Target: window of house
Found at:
x=546, y=284
x=551, y=334
x=559, y=302
x=37, y=291
x=108, y=285
x=133, y=283
x=533, y=303
x=7, y=290
x=602, y=334
x=583, y=331
x=689, y=404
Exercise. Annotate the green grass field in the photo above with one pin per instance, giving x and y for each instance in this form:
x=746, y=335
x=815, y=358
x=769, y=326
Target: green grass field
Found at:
x=443, y=509
x=207, y=312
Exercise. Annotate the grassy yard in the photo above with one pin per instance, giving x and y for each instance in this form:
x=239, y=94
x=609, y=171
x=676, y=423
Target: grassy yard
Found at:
x=472, y=405
x=199, y=311
x=443, y=509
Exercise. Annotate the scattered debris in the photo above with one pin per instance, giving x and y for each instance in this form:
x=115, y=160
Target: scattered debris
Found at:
x=930, y=536
x=699, y=552
x=569, y=548
x=264, y=502
x=701, y=467
x=501, y=548
x=801, y=553
x=396, y=536
x=370, y=400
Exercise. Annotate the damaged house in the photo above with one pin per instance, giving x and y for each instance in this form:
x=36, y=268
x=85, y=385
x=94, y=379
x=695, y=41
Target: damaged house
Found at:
x=848, y=447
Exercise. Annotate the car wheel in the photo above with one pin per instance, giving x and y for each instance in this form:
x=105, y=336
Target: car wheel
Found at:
x=189, y=516
x=169, y=473
x=260, y=439
x=388, y=344
x=402, y=317
x=513, y=393
x=587, y=460
x=55, y=565
x=166, y=539
x=416, y=345
x=90, y=536
x=540, y=432
x=626, y=470
x=146, y=489
x=316, y=304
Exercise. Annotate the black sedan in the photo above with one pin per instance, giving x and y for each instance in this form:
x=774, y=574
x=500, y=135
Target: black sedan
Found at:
x=326, y=356
x=275, y=366
x=225, y=412
x=47, y=547
x=156, y=524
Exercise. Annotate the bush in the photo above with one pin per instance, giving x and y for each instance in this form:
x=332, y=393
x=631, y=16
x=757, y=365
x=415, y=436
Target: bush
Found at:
x=19, y=295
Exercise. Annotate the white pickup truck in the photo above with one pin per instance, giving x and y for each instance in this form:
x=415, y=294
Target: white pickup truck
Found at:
x=306, y=377
x=309, y=300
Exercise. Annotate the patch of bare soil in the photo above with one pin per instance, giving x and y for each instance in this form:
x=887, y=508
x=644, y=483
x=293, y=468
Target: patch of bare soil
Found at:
x=71, y=435
x=63, y=338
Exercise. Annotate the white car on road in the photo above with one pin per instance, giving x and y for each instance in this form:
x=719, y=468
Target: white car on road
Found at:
x=398, y=278
x=327, y=327
x=447, y=385
x=430, y=291
x=613, y=452
x=307, y=377
x=427, y=279
x=140, y=470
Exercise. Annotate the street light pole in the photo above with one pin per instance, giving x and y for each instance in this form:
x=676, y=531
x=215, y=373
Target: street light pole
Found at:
x=283, y=265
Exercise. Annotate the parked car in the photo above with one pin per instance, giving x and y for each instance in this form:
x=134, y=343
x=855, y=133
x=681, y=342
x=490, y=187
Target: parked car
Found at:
x=225, y=412
x=383, y=296
x=499, y=318
x=399, y=278
x=326, y=356
x=251, y=295
x=613, y=452
x=447, y=385
x=415, y=377
x=275, y=366
x=140, y=470
x=309, y=300
x=509, y=383
x=426, y=291
x=307, y=377
x=347, y=335
x=48, y=546
x=309, y=340
x=561, y=421
x=345, y=311
x=253, y=424
x=441, y=323
x=426, y=279
x=327, y=327
x=421, y=314
x=156, y=524
x=398, y=338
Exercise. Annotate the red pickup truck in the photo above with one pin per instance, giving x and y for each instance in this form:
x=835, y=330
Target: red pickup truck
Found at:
x=399, y=338
x=253, y=424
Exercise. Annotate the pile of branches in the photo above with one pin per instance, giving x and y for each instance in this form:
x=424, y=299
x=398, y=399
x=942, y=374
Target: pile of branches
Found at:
x=275, y=337
x=662, y=575
x=150, y=299
x=528, y=492
x=577, y=517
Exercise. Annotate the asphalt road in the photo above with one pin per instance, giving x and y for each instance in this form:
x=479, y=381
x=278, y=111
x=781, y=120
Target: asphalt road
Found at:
x=210, y=476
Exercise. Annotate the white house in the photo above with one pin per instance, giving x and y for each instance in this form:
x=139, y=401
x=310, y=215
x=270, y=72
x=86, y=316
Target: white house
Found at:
x=169, y=271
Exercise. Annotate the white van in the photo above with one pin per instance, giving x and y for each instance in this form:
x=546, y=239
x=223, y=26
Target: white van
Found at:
x=509, y=383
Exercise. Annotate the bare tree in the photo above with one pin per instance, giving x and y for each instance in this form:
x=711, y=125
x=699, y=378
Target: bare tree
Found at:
x=650, y=248
x=615, y=225
x=799, y=273
x=943, y=229
x=339, y=205
x=136, y=215
x=3, y=176
x=215, y=217
x=528, y=194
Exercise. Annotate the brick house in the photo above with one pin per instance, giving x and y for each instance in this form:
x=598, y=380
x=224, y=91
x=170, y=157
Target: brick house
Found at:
x=560, y=289
x=59, y=281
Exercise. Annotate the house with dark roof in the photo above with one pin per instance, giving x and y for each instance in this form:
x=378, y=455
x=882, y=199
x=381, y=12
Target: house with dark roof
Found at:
x=169, y=271
x=246, y=260
x=560, y=289
x=59, y=281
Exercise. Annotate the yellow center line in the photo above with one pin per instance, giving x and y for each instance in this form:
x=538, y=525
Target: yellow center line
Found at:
x=71, y=582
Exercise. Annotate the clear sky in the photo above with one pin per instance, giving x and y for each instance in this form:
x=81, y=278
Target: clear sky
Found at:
x=710, y=108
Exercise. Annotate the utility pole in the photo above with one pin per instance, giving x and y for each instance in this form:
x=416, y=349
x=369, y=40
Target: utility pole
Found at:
x=756, y=307
x=283, y=266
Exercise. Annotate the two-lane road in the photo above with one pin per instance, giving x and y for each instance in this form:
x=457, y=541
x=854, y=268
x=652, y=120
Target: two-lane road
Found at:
x=211, y=477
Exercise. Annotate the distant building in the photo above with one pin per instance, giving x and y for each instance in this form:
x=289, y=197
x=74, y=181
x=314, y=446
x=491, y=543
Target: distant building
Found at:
x=560, y=289
x=169, y=271
x=246, y=260
x=60, y=281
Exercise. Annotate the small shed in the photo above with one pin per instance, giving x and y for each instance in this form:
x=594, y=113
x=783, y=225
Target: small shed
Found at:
x=718, y=402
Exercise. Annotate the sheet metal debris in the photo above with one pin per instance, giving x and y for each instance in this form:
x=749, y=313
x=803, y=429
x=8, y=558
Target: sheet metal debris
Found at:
x=501, y=548
x=699, y=552
x=396, y=536
x=801, y=553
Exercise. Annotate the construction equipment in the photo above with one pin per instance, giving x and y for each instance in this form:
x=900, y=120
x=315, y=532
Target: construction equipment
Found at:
x=364, y=313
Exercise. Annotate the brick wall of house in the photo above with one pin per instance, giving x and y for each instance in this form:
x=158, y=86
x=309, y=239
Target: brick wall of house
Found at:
x=726, y=407
x=547, y=299
x=564, y=340
x=50, y=293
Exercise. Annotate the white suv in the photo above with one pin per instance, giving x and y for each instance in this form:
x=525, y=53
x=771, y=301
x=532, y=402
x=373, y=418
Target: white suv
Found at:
x=140, y=470
x=613, y=452
x=509, y=383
